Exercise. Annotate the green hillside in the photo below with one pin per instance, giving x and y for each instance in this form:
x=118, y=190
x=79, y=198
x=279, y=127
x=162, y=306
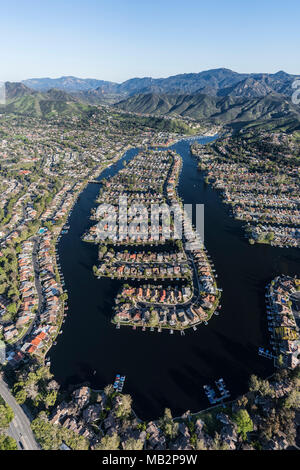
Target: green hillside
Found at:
x=273, y=110
x=39, y=106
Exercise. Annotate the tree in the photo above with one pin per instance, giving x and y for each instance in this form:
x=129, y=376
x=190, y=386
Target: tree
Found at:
x=109, y=442
x=253, y=383
x=153, y=320
x=50, y=398
x=280, y=361
x=200, y=445
x=217, y=443
x=108, y=390
x=45, y=433
x=133, y=444
x=95, y=270
x=12, y=308
x=261, y=386
x=244, y=423
x=293, y=400
x=6, y=415
x=279, y=420
x=7, y=443
x=20, y=396
x=31, y=389
x=43, y=372
x=50, y=436
x=168, y=426
x=123, y=407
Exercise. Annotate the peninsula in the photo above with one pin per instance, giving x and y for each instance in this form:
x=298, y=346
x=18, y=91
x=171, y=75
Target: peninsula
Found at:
x=174, y=281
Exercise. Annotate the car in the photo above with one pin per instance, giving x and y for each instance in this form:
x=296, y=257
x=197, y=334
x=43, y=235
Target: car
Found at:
x=21, y=445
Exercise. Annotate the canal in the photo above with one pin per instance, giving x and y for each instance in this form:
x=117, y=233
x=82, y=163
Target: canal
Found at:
x=164, y=370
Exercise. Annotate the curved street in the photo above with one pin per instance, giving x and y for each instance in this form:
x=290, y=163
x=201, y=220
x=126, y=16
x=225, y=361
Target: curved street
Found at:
x=19, y=428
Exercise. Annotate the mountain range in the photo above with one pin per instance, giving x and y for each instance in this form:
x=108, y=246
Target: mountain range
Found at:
x=218, y=96
x=215, y=82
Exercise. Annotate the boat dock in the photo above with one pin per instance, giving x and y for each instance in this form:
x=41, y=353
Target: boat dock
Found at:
x=212, y=394
x=119, y=382
x=266, y=353
x=222, y=388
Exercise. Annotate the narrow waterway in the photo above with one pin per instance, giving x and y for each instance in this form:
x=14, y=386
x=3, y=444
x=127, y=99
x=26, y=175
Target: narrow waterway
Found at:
x=164, y=370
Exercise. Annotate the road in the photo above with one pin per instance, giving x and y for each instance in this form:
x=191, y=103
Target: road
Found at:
x=19, y=428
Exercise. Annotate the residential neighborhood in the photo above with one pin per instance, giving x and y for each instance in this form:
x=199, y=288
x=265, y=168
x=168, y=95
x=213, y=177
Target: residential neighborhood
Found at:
x=46, y=165
x=283, y=302
x=166, y=250
x=261, y=189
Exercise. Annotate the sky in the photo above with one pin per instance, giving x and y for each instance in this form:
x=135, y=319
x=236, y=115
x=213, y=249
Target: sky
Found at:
x=119, y=39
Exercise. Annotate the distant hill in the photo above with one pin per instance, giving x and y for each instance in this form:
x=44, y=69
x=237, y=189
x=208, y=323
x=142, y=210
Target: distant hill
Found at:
x=190, y=82
x=98, y=96
x=248, y=88
x=17, y=90
x=215, y=82
x=67, y=83
x=22, y=100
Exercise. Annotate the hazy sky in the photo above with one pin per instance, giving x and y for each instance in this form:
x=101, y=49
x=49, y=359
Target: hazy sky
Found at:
x=119, y=39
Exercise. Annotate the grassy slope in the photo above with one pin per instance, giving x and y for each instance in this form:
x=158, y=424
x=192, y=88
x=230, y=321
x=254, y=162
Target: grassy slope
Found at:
x=38, y=105
x=272, y=111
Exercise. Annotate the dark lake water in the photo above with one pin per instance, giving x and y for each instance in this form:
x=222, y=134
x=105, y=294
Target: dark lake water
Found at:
x=164, y=370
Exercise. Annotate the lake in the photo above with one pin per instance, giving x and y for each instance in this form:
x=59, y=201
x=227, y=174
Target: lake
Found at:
x=164, y=370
